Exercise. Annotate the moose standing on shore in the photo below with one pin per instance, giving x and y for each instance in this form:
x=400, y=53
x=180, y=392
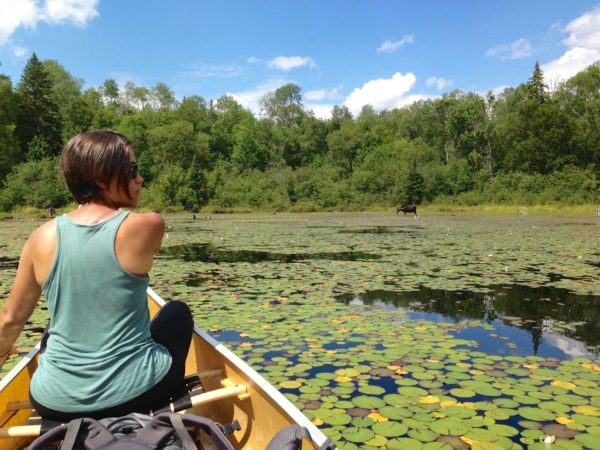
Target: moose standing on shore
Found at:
x=407, y=209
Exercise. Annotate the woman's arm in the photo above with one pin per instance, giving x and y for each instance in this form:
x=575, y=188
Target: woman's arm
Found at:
x=21, y=302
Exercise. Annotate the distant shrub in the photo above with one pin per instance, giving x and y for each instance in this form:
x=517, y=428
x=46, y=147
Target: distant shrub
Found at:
x=36, y=183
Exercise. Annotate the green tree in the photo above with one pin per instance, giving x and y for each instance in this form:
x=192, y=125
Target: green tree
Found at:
x=75, y=114
x=177, y=144
x=250, y=148
x=195, y=111
x=580, y=98
x=536, y=87
x=163, y=97
x=415, y=187
x=34, y=183
x=339, y=115
x=467, y=127
x=227, y=113
x=540, y=133
x=284, y=106
x=110, y=92
x=38, y=114
x=343, y=145
x=136, y=98
x=9, y=148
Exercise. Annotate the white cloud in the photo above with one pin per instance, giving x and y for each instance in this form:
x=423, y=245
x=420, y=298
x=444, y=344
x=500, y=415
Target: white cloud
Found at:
x=251, y=98
x=389, y=46
x=439, y=82
x=323, y=94
x=78, y=12
x=16, y=13
x=569, y=346
x=286, y=63
x=583, y=44
x=573, y=61
x=27, y=13
x=584, y=31
x=384, y=93
x=19, y=52
x=215, y=71
x=322, y=111
x=521, y=48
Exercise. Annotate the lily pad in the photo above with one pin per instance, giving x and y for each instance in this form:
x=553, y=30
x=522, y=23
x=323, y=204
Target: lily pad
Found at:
x=356, y=434
x=390, y=429
x=536, y=414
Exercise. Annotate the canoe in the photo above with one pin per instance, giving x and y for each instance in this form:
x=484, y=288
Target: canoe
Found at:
x=232, y=390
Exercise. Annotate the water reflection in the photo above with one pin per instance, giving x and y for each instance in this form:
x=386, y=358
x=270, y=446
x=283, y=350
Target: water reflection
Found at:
x=8, y=263
x=210, y=253
x=547, y=322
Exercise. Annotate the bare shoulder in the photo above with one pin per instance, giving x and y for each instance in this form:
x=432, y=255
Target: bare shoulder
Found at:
x=38, y=251
x=151, y=222
x=43, y=236
x=143, y=230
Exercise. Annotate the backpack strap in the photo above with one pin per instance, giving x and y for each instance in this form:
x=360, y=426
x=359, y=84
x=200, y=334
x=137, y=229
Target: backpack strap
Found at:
x=71, y=434
x=163, y=424
x=93, y=433
x=186, y=440
x=85, y=429
x=290, y=438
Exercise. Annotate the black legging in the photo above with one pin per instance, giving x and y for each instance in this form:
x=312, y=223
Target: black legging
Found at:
x=172, y=327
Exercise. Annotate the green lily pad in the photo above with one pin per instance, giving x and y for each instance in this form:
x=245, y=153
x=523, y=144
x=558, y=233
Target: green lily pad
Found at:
x=356, y=434
x=338, y=419
x=536, y=414
x=367, y=401
x=422, y=435
x=503, y=430
x=449, y=427
x=404, y=444
x=588, y=440
x=462, y=393
x=390, y=428
x=395, y=412
x=372, y=390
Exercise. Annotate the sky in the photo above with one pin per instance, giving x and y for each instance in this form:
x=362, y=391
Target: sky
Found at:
x=385, y=53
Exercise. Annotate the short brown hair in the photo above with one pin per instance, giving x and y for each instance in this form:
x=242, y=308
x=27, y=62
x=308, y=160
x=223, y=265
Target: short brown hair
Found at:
x=92, y=157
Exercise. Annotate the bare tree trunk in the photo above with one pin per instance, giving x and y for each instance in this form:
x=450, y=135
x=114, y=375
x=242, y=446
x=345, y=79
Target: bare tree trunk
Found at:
x=446, y=150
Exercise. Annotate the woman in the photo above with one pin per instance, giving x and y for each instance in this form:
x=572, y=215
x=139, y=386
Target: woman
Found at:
x=103, y=356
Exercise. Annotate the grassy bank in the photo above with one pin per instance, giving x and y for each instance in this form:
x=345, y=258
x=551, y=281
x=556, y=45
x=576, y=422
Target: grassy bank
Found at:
x=589, y=209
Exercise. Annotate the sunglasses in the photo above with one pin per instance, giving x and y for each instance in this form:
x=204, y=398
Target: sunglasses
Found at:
x=133, y=170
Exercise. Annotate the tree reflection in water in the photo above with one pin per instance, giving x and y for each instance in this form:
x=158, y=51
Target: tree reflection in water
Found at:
x=555, y=316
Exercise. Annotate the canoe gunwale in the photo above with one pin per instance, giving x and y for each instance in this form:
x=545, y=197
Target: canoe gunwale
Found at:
x=21, y=365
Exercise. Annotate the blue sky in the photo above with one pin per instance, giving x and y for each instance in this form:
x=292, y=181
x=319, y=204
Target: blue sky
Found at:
x=387, y=53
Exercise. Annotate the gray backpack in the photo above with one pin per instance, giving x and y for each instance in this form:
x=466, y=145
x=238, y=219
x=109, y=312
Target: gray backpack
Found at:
x=167, y=431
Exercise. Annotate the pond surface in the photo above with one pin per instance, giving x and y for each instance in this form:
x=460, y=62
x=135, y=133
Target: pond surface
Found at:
x=210, y=253
x=446, y=331
x=545, y=321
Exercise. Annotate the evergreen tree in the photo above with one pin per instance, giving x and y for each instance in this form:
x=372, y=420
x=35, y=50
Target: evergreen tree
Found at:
x=9, y=150
x=536, y=88
x=415, y=187
x=38, y=116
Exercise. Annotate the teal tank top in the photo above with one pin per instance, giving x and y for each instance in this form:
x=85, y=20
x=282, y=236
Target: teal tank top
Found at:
x=99, y=352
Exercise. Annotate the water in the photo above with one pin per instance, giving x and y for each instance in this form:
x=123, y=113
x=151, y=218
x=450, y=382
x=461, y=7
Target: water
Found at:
x=213, y=254
x=547, y=322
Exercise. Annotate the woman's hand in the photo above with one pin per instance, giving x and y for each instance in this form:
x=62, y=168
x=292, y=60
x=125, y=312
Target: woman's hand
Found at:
x=12, y=351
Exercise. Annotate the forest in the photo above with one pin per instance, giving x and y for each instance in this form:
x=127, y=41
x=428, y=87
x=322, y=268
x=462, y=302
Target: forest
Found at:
x=528, y=145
